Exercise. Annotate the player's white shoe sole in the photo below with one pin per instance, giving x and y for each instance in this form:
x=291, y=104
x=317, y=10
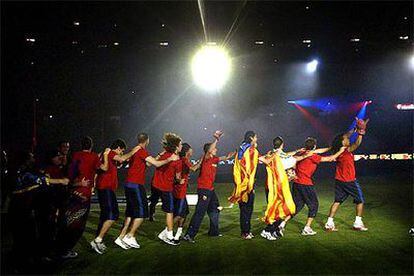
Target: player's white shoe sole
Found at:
x=95, y=247
x=308, y=232
x=267, y=235
x=360, y=227
x=122, y=244
x=330, y=227
x=131, y=242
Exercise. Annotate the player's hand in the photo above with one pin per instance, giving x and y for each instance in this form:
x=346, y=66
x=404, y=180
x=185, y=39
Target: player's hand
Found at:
x=217, y=134
x=230, y=154
x=84, y=182
x=361, y=125
x=107, y=151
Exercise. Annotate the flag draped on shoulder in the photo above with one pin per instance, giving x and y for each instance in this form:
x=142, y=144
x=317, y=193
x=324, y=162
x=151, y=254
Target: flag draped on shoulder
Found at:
x=244, y=171
x=280, y=202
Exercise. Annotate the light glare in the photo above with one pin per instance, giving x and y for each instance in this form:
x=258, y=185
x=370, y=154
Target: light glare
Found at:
x=211, y=67
x=311, y=66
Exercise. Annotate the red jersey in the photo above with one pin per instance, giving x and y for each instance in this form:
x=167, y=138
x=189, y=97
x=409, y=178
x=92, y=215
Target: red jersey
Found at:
x=207, y=173
x=84, y=165
x=109, y=179
x=180, y=190
x=158, y=179
x=306, y=168
x=345, y=167
x=137, y=167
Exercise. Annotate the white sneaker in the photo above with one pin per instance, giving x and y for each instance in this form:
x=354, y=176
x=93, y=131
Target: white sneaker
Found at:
x=307, y=231
x=267, y=235
x=99, y=247
x=360, y=227
x=121, y=244
x=131, y=242
x=330, y=227
x=162, y=235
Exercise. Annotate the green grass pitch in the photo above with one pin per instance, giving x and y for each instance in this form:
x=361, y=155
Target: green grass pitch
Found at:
x=386, y=248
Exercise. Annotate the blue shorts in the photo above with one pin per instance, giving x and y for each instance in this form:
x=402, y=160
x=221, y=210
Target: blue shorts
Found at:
x=167, y=200
x=108, y=205
x=136, y=201
x=180, y=207
x=345, y=189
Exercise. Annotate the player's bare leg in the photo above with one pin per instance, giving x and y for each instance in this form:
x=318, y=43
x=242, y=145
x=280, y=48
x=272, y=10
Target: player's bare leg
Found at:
x=330, y=225
x=125, y=227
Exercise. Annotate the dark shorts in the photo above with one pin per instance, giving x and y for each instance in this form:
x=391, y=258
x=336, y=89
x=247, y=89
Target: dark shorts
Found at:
x=167, y=200
x=136, y=201
x=180, y=207
x=345, y=189
x=305, y=195
x=108, y=205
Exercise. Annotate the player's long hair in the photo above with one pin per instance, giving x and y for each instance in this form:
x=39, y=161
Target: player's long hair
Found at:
x=337, y=142
x=171, y=141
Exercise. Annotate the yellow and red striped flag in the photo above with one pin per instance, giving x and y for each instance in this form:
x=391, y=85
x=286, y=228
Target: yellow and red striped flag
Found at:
x=280, y=202
x=244, y=172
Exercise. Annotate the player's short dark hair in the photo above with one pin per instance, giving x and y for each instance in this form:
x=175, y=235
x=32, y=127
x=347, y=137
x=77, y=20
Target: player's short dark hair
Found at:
x=337, y=142
x=277, y=142
x=206, y=147
x=86, y=143
x=118, y=143
x=63, y=142
x=171, y=141
x=310, y=143
x=248, y=136
x=186, y=147
x=142, y=137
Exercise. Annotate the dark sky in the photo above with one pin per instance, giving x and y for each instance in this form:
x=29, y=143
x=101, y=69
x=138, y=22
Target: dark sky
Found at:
x=92, y=87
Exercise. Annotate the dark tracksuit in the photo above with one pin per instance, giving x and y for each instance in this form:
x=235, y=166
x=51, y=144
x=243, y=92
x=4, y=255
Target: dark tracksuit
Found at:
x=246, y=211
x=207, y=202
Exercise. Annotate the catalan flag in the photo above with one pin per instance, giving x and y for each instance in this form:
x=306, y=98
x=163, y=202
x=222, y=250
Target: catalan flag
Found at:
x=280, y=202
x=244, y=171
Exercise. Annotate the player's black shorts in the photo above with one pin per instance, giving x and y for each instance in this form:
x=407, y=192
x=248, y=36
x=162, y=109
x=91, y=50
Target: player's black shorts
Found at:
x=136, y=201
x=305, y=195
x=167, y=200
x=345, y=189
x=108, y=204
x=180, y=207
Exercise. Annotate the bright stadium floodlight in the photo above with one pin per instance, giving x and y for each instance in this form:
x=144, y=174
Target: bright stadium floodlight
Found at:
x=312, y=66
x=211, y=68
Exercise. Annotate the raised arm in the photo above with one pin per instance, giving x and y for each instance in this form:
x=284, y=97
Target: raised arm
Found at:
x=217, y=134
x=361, y=126
x=104, y=165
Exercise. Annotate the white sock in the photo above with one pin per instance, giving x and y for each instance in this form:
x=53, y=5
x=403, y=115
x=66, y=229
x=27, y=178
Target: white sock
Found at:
x=307, y=228
x=98, y=239
x=330, y=220
x=179, y=232
x=358, y=220
x=282, y=224
x=170, y=235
